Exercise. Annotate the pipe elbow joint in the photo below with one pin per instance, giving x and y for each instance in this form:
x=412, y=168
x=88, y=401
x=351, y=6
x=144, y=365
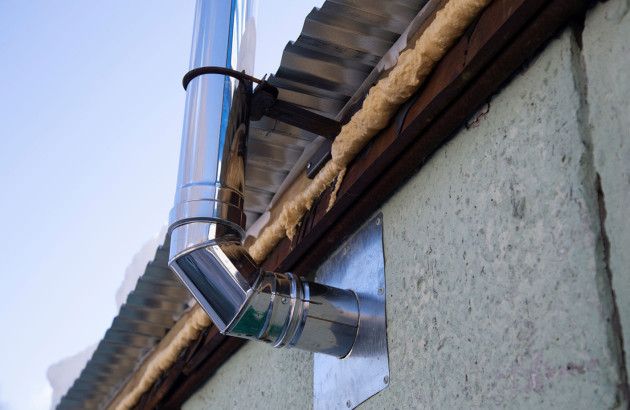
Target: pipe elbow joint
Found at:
x=244, y=301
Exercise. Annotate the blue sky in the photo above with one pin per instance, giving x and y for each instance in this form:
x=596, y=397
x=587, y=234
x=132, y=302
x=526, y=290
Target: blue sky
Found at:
x=91, y=109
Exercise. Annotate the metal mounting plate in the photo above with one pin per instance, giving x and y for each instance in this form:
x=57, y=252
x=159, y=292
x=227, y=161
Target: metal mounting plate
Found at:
x=359, y=265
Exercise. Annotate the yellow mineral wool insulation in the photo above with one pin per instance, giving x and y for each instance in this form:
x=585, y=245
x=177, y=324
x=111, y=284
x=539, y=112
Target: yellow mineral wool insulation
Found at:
x=333, y=194
x=292, y=212
x=378, y=108
x=196, y=322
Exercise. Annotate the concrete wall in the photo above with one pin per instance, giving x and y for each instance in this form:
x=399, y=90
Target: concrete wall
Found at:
x=508, y=278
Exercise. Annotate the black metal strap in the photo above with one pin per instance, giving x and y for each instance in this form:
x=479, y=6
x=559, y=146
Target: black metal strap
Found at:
x=265, y=102
x=319, y=159
x=403, y=111
x=196, y=72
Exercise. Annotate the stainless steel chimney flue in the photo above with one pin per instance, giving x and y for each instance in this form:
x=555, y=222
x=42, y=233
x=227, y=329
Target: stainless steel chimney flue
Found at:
x=207, y=222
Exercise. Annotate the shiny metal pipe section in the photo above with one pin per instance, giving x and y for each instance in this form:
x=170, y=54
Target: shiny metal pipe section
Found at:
x=208, y=187
x=244, y=301
x=207, y=222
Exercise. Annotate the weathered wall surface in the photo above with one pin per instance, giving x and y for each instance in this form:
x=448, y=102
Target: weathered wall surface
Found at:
x=606, y=53
x=500, y=273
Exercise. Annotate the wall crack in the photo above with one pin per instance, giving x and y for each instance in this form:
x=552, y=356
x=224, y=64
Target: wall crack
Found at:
x=623, y=387
x=592, y=180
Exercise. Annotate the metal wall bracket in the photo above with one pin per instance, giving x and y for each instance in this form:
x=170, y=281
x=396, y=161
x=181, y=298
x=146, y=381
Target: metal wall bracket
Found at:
x=359, y=265
x=265, y=102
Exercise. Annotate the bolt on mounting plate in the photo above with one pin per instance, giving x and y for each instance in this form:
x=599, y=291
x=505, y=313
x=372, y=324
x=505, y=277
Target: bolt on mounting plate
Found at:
x=358, y=265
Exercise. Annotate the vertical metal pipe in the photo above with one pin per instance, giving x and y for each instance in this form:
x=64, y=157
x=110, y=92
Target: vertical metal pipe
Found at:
x=207, y=222
x=208, y=188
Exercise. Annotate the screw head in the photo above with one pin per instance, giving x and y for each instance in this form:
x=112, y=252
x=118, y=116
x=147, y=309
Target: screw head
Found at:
x=308, y=165
x=386, y=379
x=284, y=300
x=348, y=404
x=345, y=250
x=381, y=291
x=378, y=221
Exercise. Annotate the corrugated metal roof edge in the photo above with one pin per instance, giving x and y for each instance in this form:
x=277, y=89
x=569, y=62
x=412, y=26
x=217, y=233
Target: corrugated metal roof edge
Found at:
x=150, y=311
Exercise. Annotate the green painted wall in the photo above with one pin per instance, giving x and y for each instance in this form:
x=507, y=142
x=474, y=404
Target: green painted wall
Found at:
x=500, y=277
